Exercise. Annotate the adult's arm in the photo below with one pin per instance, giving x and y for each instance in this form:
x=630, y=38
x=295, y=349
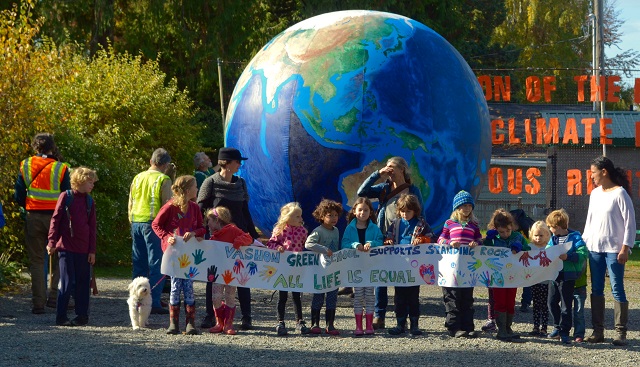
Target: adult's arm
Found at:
x=66, y=180
x=368, y=189
x=629, y=219
x=20, y=191
x=165, y=190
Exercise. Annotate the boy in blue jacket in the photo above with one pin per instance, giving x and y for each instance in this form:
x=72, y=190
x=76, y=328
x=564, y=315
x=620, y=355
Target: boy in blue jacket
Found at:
x=560, y=297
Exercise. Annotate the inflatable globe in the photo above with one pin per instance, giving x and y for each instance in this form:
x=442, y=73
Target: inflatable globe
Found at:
x=330, y=99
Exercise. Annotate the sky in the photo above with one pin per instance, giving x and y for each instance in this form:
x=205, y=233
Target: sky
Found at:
x=630, y=13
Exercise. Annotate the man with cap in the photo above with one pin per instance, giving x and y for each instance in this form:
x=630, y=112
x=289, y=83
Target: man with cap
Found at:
x=149, y=191
x=41, y=180
x=226, y=189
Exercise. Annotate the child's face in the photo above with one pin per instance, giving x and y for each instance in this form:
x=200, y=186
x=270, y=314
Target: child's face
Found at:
x=295, y=220
x=362, y=212
x=504, y=232
x=407, y=214
x=86, y=186
x=213, y=224
x=556, y=230
x=465, y=210
x=539, y=237
x=330, y=219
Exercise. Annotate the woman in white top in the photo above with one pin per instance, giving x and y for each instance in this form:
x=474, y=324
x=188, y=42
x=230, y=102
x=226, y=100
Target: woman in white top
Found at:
x=609, y=233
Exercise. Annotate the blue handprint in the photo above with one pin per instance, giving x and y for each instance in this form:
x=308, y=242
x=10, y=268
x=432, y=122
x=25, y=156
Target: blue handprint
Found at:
x=493, y=264
x=497, y=279
x=193, y=272
x=197, y=256
x=485, y=278
x=253, y=268
x=441, y=279
x=474, y=265
x=474, y=280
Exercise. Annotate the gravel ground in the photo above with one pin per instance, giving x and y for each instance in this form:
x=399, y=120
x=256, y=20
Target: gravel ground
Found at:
x=33, y=340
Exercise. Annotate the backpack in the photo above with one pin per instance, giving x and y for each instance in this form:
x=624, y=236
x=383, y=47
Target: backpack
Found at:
x=69, y=201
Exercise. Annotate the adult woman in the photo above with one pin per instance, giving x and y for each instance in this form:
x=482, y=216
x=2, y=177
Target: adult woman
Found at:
x=397, y=182
x=609, y=233
x=226, y=189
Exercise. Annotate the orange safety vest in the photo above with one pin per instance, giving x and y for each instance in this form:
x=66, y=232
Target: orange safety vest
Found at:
x=43, y=178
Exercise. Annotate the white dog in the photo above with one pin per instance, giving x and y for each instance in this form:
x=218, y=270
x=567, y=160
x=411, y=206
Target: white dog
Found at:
x=139, y=302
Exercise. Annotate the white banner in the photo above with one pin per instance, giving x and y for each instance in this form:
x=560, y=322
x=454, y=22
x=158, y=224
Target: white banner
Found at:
x=400, y=265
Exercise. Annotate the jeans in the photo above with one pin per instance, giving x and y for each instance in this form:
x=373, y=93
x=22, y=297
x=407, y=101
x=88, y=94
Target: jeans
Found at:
x=382, y=301
x=527, y=296
x=75, y=277
x=560, y=300
x=599, y=262
x=147, y=258
x=579, y=299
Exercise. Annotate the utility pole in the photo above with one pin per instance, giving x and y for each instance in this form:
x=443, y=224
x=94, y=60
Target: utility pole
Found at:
x=599, y=58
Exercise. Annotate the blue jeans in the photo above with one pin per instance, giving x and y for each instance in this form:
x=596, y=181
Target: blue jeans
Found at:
x=382, y=301
x=599, y=262
x=579, y=299
x=147, y=258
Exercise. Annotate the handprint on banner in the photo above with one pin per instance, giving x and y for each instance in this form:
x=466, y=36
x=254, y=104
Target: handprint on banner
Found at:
x=544, y=260
x=474, y=279
x=267, y=273
x=227, y=276
x=458, y=277
x=197, y=257
x=474, y=265
x=253, y=268
x=427, y=273
x=497, y=279
x=441, y=280
x=184, y=261
x=193, y=272
x=237, y=266
x=493, y=264
x=485, y=278
x=526, y=275
x=524, y=258
x=212, y=273
x=243, y=278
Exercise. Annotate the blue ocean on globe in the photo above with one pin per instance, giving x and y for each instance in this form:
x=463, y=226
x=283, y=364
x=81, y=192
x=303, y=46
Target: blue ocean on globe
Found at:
x=331, y=98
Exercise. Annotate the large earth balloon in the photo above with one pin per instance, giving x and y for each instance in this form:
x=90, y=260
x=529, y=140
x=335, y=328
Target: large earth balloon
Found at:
x=330, y=99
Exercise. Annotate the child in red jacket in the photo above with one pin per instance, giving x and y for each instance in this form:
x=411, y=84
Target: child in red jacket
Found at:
x=221, y=228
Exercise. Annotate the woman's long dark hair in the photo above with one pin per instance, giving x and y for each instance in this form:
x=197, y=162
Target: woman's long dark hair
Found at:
x=617, y=174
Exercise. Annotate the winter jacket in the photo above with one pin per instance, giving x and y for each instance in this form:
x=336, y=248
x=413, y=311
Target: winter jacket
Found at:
x=373, y=235
x=576, y=256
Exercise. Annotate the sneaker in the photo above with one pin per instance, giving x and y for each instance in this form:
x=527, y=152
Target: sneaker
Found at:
x=281, y=330
x=489, y=326
x=555, y=334
x=472, y=334
x=461, y=334
x=315, y=329
x=578, y=339
x=80, y=321
x=524, y=308
x=565, y=340
x=64, y=322
x=245, y=323
x=159, y=311
x=302, y=328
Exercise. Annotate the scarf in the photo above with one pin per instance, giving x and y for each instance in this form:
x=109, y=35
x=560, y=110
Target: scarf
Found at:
x=233, y=191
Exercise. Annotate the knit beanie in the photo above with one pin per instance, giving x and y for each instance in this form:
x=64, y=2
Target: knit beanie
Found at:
x=462, y=198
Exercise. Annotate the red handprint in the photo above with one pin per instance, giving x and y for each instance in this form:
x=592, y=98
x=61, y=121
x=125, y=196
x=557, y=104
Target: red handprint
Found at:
x=524, y=258
x=544, y=260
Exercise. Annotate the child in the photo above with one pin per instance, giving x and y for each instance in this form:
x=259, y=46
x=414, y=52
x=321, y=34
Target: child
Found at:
x=289, y=235
x=501, y=234
x=561, y=290
x=461, y=229
x=408, y=228
x=362, y=234
x=221, y=229
x=72, y=234
x=180, y=216
x=540, y=236
x=325, y=239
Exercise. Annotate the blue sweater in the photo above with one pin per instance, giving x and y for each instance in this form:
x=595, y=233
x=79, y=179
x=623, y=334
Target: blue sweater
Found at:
x=350, y=238
x=576, y=256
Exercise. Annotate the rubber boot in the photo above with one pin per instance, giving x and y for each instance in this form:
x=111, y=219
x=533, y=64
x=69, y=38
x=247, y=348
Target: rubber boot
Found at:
x=414, y=329
x=621, y=316
x=228, y=321
x=174, y=316
x=399, y=328
x=315, y=321
x=190, y=315
x=501, y=324
x=513, y=337
x=597, y=319
x=358, y=331
x=330, y=316
x=221, y=314
x=369, y=322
